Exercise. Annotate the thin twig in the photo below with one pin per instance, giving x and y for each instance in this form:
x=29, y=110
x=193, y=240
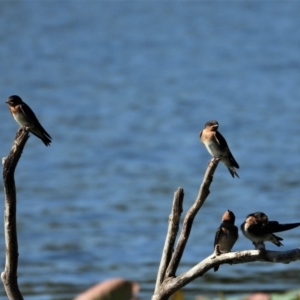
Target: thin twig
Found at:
x=171, y=236
x=9, y=275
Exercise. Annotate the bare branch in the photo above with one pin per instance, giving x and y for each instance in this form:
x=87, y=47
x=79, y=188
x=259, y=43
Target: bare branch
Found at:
x=9, y=275
x=171, y=235
x=170, y=285
x=188, y=220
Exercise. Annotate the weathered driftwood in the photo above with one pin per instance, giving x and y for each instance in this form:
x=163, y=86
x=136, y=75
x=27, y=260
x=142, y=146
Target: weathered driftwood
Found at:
x=171, y=236
x=9, y=275
x=172, y=284
x=167, y=282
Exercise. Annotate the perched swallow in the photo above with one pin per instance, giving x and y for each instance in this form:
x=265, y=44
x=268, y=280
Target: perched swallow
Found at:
x=217, y=146
x=226, y=235
x=259, y=229
x=24, y=116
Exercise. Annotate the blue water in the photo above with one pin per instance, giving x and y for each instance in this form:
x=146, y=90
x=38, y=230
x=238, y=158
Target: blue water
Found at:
x=124, y=89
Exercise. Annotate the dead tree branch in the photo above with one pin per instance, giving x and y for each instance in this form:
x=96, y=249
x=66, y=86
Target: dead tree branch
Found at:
x=167, y=283
x=9, y=275
x=173, y=228
x=171, y=285
x=188, y=220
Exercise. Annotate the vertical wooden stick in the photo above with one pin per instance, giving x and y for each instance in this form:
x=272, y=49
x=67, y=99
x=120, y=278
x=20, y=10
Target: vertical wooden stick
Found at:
x=171, y=236
x=9, y=275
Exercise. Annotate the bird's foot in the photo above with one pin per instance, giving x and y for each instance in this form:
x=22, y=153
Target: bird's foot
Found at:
x=259, y=246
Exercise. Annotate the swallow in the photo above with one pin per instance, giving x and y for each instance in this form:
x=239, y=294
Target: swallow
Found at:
x=259, y=229
x=24, y=116
x=217, y=146
x=226, y=234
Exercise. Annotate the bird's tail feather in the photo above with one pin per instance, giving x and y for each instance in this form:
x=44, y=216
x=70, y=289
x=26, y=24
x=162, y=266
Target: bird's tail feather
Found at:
x=284, y=227
x=233, y=172
x=276, y=240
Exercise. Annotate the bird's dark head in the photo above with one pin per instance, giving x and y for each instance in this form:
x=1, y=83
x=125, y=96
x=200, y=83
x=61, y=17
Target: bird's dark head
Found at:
x=14, y=100
x=228, y=217
x=213, y=125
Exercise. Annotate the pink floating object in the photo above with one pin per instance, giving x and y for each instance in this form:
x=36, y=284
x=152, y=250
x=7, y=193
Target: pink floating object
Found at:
x=112, y=289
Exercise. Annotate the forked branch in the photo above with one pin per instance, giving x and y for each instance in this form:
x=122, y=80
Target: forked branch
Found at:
x=169, y=263
x=189, y=218
x=167, y=283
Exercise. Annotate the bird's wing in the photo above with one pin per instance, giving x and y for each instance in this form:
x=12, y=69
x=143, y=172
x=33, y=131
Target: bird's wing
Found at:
x=274, y=226
x=222, y=142
x=232, y=160
x=256, y=229
x=28, y=113
x=271, y=227
x=220, y=139
x=217, y=236
x=235, y=230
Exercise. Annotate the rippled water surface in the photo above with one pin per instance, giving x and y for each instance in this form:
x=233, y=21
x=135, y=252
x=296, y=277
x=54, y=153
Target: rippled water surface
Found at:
x=124, y=89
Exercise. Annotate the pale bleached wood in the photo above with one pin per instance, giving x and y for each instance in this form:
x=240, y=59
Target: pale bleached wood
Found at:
x=171, y=285
x=189, y=218
x=9, y=275
x=173, y=228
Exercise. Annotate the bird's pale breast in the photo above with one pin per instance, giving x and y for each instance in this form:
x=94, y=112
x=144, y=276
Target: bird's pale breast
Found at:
x=21, y=119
